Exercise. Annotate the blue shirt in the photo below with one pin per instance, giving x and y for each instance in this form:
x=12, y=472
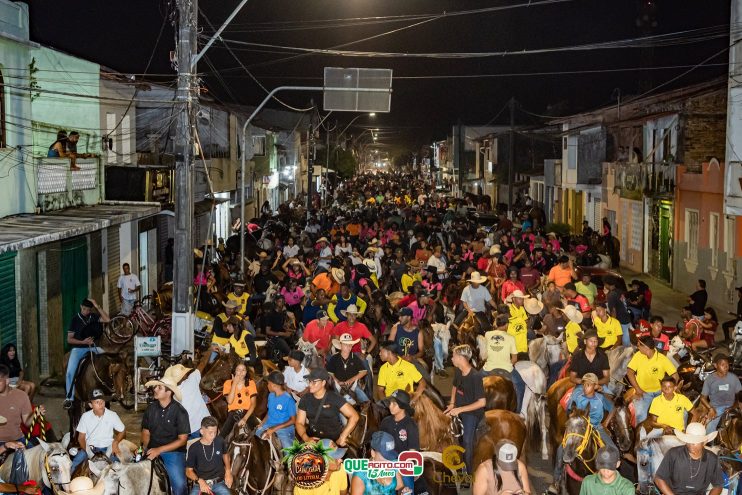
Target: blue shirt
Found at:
x=280, y=409
x=597, y=404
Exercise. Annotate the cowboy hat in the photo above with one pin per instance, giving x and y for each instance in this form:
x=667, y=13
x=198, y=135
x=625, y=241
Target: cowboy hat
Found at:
x=533, y=306
x=695, y=433
x=373, y=242
x=551, y=234
x=516, y=293
x=352, y=309
x=345, y=338
x=177, y=373
x=495, y=250
x=168, y=383
x=572, y=313
x=370, y=264
x=414, y=264
x=82, y=485
x=322, y=239
x=198, y=253
x=402, y=398
x=477, y=278
x=263, y=255
x=338, y=275
x=230, y=304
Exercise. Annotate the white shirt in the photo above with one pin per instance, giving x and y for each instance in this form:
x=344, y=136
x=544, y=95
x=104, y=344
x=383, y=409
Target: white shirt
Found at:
x=438, y=263
x=193, y=401
x=325, y=252
x=98, y=430
x=295, y=379
x=477, y=299
x=127, y=282
x=291, y=251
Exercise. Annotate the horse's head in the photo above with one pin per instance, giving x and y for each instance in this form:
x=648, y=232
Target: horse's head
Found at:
x=219, y=371
x=575, y=435
x=621, y=426
x=121, y=375
x=676, y=345
x=57, y=465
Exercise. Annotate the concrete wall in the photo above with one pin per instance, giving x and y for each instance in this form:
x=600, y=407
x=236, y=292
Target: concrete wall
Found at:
x=118, y=121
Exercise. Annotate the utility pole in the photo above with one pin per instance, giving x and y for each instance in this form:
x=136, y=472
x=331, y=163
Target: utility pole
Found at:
x=732, y=169
x=310, y=159
x=182, y=330
x=511, y=156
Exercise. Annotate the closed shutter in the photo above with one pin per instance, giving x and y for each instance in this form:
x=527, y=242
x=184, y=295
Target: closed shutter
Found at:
x=8, y=322
x=114, y=269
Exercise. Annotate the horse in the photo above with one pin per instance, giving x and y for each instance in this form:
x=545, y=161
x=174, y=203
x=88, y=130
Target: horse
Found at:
x=545, y=351
x=618, y=359
x=474, y=325
x=47, y=463
x=441, y=339
x=434, y=425
x=649, y=456
x=136, y=478
x=534, y=402
x=495, y=426
x=579, y=450
x=312, y=359
x=499, y=393
x=557, y=414
x=256, y=464
x=730, y=428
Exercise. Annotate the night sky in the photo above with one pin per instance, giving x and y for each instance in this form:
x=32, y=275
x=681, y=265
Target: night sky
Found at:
x=121, y=35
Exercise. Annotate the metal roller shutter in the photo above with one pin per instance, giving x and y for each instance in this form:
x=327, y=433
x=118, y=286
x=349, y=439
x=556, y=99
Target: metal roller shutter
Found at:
x=114, y=269
x=8, y=322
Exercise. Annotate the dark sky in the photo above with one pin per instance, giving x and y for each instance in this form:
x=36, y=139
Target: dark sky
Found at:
x=121, y=34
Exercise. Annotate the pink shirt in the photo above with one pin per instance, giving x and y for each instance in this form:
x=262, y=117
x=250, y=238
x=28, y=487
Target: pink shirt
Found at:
x=418, y=313
x=292, y=298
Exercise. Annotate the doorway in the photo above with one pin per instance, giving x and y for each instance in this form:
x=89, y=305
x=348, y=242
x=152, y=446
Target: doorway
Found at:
x=74, y=279
x=661, y=239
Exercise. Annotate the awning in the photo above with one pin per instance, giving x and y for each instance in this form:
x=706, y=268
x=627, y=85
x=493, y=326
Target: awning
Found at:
x=28, y=230
x=204, y=206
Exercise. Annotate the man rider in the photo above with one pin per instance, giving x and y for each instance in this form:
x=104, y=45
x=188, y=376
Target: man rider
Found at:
x=276, y=327
x=318, y=412
x=99, y=430
x=719, y=391
x=239, y=296
x=644, y=371
x=397, y=373
x=408, y=337
x=502, y=354
x=341, y=301
x=347, y=368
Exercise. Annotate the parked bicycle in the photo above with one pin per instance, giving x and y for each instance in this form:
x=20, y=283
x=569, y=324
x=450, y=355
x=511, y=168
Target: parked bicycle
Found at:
x=122, y=328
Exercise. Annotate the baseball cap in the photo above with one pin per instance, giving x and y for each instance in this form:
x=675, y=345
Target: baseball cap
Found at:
x=317, y=374
x=590, y=377
x=97, y=393
x=297, y=355
x=403, y=400
x=321, y=314
x=405, y=312
x=383, y=443
x=607, y=458
x=507, y=455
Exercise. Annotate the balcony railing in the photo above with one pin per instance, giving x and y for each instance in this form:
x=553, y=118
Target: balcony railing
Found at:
x=639, y=179
x=59, y=187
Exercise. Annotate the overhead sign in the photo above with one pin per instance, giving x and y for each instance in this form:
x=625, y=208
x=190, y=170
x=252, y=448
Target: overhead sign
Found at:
x=364, y=90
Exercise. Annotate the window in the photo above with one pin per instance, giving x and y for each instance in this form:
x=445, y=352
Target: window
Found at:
x=691, y=233
x=667, y=144
x=258, y=143
x=729, y=232
x=714, y=238
x=572, y=153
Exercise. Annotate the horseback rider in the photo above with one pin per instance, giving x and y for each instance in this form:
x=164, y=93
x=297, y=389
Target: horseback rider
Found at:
x=518, y=323
x=719, y=391
x=403, y=428
x=294, y=374
x=240, y=392
x=475, y=298
x=691, y=468
x=347, y=369
x=99, y=430
x=669, y=409
x=84, y=329
x=502, y=354
x=504, y=473
x=15, y=408
x=608, y=327
x=318, y=414
x=210, y=469
x=607, y=479
x=276, y=327
x=358, y=331
x=341, y=301
x=644, y=371
x=239, y=296
x=281, y=415
x=397, y=373
x=408, y=336
x=590, y=359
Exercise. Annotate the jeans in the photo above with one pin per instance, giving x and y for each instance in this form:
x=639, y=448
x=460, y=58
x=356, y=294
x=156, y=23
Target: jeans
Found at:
x=369, y=377
x=470, y=422
x=76, y=355
x=711, y=426
x=127, y=306
x=217, y=489
x=626, y=334
x=360, y=395
x=559, y=463
x=641, y=406
x=232, y=418
x=285, y=435
x=175, y=466
x=554, y=370
x=440, y=355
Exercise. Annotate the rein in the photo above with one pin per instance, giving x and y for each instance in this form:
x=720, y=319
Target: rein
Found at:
x=48, y=471
x=456, y=427
x=271, y=476
x=589, y=435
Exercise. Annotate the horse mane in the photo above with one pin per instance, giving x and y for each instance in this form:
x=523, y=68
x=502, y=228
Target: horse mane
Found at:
x=432, y=423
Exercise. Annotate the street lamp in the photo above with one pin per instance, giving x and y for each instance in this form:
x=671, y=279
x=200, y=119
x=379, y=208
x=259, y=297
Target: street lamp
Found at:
x=372, y=114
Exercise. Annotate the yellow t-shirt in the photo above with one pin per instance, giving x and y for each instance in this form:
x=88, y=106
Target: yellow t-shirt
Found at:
x=609, y=330
x=239, y=345
x=671, y=412
x=500, y=346
x=241, y=300
x=518, y=328
x=402, y=375
x=407, y=280
x=215, y=339
x=336, y=483
x=649, y=371
x=571, y=331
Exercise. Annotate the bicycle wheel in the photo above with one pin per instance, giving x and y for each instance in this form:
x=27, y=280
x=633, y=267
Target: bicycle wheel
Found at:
x=163, y=328
x=120, y=329
x=150, y=305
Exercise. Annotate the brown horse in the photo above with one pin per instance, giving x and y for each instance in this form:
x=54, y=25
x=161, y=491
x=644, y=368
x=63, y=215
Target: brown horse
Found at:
x=255, y=463
x=499, y=392
x=434, y=426
x=730, y=428
x=499, y=425
x=467, y=332
x=580, y=446
x=556, y=412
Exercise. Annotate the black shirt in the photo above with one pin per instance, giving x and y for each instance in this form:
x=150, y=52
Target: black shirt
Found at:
x=327, y=424
x=342, y=369
x=469, y=389
x=700, y=298
x=166, y=424
x=84, y=327
x=617, y=302
x=405, y=433
x=275, y=320
x=261, y=282
x=207, y=460
x=582, y=365
x=687, y=476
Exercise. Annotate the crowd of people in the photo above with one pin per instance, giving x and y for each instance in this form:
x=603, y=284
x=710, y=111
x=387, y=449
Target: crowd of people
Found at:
x=364, y=281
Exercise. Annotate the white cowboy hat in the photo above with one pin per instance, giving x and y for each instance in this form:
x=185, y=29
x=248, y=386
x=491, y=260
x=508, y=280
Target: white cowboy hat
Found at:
x=551, y=234
x=345, y=338
x=477, y=278
x=373, y=242
x=198, y=253
x=695, y=433
x=169, y=383
x=370, y=264
x=533, y=306
x=517, y=293
x=338, y=275
x=495, y=250
x=352, y=309
x=230, y=304
x=177, y=373
x=82, y=485
x=573, y=314
x=322, y=239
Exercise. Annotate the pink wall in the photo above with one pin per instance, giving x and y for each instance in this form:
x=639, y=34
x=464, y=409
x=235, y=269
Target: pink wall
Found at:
x=703, y=192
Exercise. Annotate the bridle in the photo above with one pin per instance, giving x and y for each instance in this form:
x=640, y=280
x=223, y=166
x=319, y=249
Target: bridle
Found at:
x=271, y=476
x=48, y=470
x=589, y=436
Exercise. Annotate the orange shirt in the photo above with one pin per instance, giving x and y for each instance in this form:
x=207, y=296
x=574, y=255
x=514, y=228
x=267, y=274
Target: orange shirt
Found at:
x=560, y=276
x=326, y=282
x=242, y=398
x=354, y=229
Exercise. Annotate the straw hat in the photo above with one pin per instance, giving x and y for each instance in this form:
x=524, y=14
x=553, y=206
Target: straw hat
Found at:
x=495, y=250
x=352, y=309
x=82, y=485
x=169, y=383
x=477, y=278
x=198, y=253
x=338, y=275
x=519, y=294
x=551, y=234
x=263, y=255
x=230, y=304
x=695, y=433
x=177, y=373
x=533, y=306
x=414, y=264
x=322, y=239
x=373, y=242
x=573, y=314
x=370, y=264
x=345, y=338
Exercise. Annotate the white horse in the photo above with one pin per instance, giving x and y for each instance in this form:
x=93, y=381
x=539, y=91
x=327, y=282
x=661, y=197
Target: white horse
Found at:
x=546, y=351
x=533, y=407
x=133, y=479
x=618, y=359
x=271, y=292
x=441, y=341
x=312, y=359
x=47, y=463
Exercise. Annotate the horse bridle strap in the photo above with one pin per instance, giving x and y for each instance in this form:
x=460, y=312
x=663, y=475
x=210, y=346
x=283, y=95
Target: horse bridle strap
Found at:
x=590, y=434
x=48, y=470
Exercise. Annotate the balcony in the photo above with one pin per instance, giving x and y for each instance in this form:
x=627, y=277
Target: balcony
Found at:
x=635, y=180
x=58, y=187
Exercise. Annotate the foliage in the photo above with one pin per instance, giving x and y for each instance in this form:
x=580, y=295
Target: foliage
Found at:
x=560, y=229
x=342, y=161
x=33, y=83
